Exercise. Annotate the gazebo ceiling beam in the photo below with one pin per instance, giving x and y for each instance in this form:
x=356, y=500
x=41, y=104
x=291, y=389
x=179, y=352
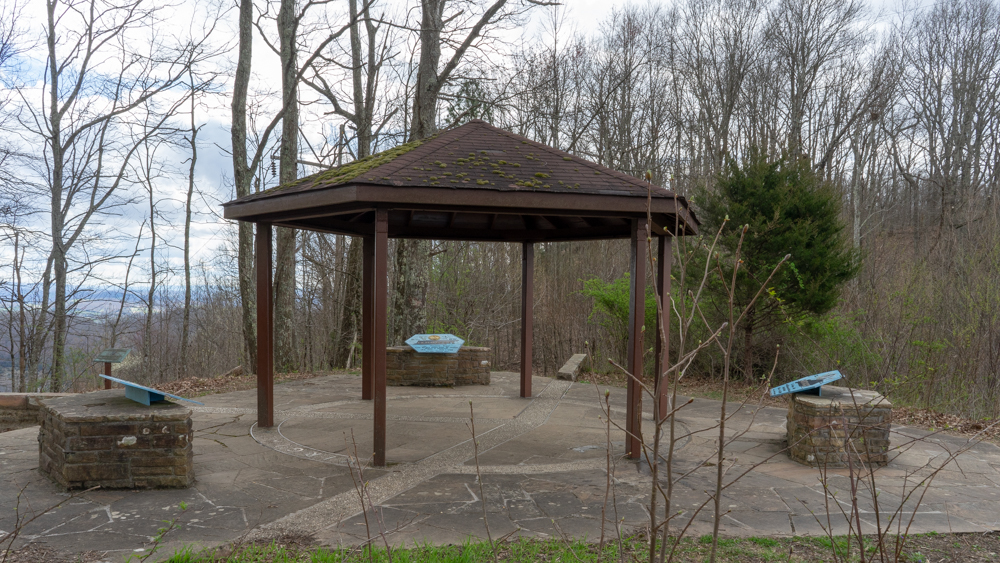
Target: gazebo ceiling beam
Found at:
x=359, y=223
x=538, y=235
x=353, y=210
x=543, y=232
x=558, y=222
x=492, y=201
x=332, y=226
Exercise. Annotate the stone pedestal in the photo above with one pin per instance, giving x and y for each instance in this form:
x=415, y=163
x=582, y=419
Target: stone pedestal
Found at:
x=102, y=438
x=824, y=430
x=404, y=366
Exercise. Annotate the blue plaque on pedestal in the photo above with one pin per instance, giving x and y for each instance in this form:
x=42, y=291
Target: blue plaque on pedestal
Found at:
x=435, y=343
x=807, y=383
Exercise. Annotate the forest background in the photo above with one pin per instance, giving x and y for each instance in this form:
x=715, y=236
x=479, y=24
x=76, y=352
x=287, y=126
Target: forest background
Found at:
x=126, y=124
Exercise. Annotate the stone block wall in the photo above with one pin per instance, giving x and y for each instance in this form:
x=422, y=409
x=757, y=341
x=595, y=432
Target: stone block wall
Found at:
x=104, y=439
x=470, y=366
x=21, y=410
x=824, y=430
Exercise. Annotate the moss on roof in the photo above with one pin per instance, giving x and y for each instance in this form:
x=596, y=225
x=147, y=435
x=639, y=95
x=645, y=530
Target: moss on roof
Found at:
x=476, y=156
x=352, y=170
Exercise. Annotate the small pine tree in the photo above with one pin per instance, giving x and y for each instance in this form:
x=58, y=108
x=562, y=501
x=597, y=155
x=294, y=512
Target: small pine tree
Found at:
x=470, y=102
x=789, y=210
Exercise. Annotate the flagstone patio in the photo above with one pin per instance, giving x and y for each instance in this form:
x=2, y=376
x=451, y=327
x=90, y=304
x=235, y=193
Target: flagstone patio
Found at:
x=543, y=464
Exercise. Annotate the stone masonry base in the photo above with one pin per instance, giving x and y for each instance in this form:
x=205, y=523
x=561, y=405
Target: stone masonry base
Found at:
x=843, y=426
x=21, y=410
x=470, y=366
x=102, y=438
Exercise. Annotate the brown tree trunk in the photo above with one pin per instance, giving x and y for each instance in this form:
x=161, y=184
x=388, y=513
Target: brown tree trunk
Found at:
x=186, y=320
x=748, y=329
x=284, y=269
x=424, y=120
x=57, y=258
x=350, y=321
x=242, y=177
x=411, y=260
x=58, y=317
x=147, y=336
x=409, y=314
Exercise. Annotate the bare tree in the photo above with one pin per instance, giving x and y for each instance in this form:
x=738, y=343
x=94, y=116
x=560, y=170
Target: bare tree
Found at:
x=285, y=247
x=193, y=142
x=243, y=180
x=808, y=36
x=952, y=100
x=99, y=75
x=721, y=42
x=463, y=27
x=290, y=33
x=148, y=171
x=367, y=53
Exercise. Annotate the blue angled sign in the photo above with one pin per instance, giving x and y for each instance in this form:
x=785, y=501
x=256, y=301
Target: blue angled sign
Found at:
x=146, y=395
x=807, y=383
x=435, y=343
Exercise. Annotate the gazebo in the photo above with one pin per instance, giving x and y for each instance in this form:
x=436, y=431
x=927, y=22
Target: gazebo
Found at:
x=478, y=183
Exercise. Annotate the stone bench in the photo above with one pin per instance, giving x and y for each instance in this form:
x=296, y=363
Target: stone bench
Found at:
x=840, y=427
x=571, y=369
x=105, y=439
x=404, y=366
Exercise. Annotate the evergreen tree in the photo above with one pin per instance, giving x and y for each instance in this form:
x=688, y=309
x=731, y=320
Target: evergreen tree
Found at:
x=470, y=102
x=789, y=210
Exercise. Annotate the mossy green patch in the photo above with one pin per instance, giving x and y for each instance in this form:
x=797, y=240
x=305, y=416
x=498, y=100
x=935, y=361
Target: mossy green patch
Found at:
x=348, y=172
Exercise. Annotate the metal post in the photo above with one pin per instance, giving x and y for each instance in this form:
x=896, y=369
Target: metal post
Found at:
x=636, y=318
x=265, y=328
x=367, y=316
x=379, y=315
x=107, y=371
x=663, y=263
x=527, y=300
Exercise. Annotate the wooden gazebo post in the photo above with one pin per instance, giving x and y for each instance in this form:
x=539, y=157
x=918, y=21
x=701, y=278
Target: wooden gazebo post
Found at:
x=527, y=313
x=663, y=263
x=265, y=328
x=367, y=315
x=636, y=318
x=379, y=313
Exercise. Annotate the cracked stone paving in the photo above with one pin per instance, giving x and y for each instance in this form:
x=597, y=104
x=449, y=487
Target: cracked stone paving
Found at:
x=542, y=460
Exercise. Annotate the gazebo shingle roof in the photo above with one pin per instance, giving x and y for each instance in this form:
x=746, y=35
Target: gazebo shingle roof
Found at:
x=477, y=156
x=474, y=182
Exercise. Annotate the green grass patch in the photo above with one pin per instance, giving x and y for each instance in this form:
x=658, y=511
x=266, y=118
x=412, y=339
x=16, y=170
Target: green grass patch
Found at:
x=689, y=550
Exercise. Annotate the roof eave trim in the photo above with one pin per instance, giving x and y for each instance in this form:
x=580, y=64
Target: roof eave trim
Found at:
x=445, y=198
